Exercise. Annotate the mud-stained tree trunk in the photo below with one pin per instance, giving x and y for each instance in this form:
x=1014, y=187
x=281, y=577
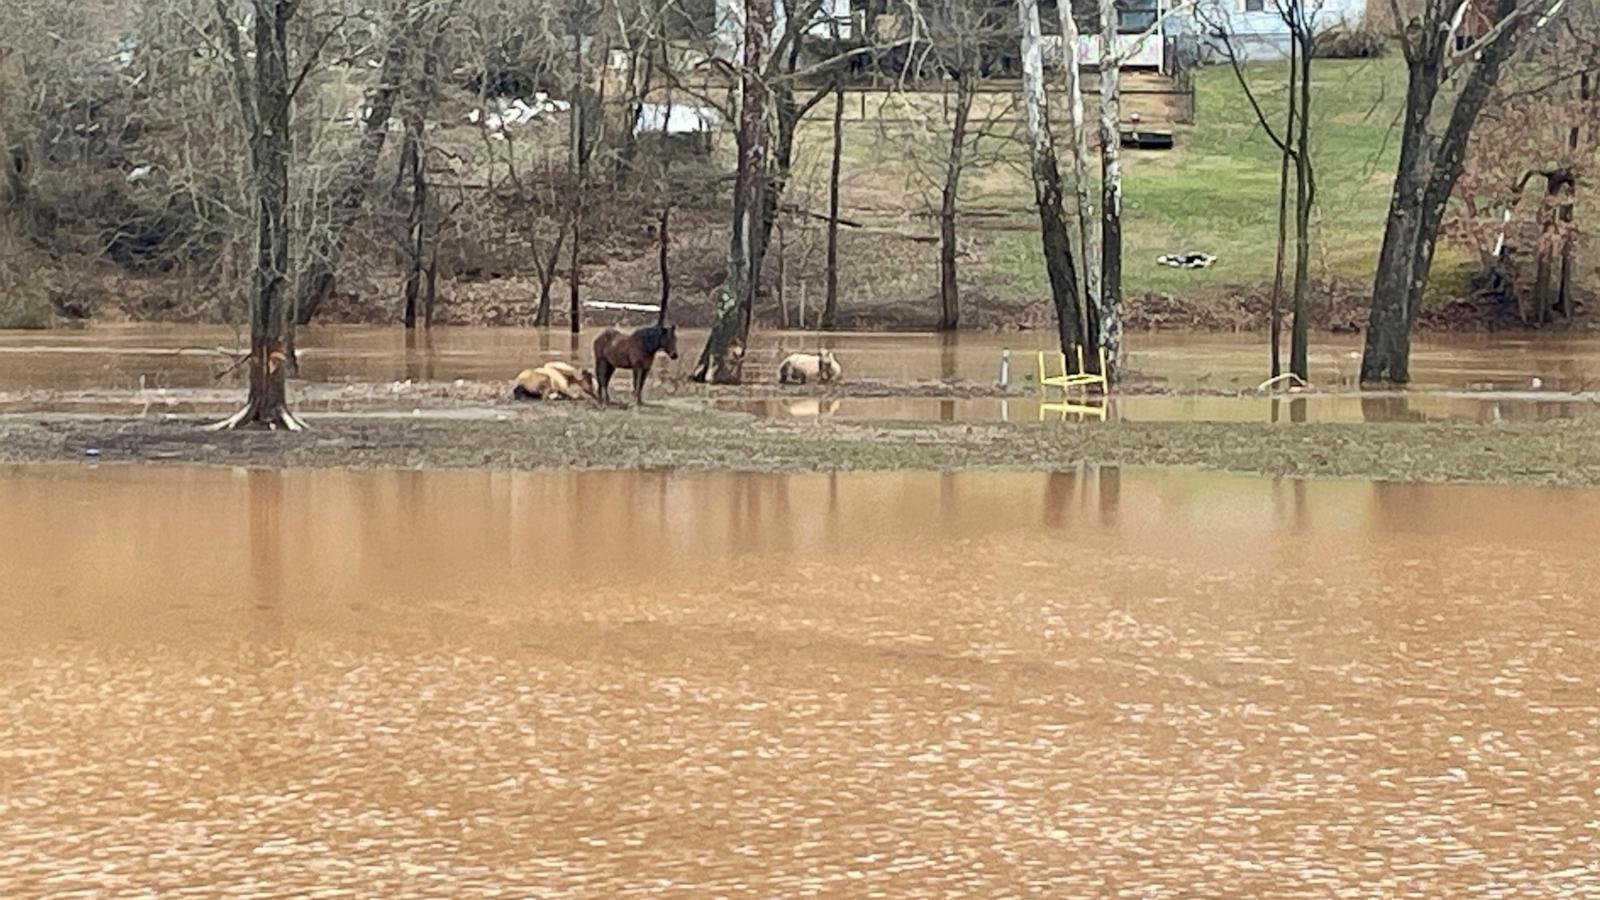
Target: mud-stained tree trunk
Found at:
x=1057, y=244
x=949, y=289
x=1081, y=187
x=1430, y=165
x=264, y=102
x=722, y=359
x=830, y=306
x=326, y=246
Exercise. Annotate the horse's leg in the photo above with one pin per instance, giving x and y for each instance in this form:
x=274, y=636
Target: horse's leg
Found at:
x=602, y=377
x=639, y=374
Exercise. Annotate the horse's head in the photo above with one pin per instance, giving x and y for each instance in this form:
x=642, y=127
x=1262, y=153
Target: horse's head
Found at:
x=828, y=368
x=586, y=382
x=669, y=341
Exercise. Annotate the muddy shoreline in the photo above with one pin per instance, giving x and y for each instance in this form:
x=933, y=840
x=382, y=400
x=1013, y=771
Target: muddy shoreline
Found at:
x=678, y=435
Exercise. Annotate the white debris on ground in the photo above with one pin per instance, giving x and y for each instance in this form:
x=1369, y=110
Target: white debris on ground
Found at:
x=677, y=118
x=505, y=114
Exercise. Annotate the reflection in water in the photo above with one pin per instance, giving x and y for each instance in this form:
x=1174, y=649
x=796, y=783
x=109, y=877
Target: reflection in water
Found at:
x=426, y=684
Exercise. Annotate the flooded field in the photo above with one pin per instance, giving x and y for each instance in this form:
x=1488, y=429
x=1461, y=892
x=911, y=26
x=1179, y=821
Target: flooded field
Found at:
x=256, y=682
x=173, y=357
x=1408, y=406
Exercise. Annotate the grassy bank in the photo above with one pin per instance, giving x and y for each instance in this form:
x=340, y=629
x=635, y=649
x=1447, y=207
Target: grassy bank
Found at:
x=1216, y=191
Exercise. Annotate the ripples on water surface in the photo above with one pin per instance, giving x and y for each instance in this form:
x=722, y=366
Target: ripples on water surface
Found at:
x=395, y=683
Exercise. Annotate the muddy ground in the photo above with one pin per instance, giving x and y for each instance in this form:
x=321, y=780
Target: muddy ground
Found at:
x=684, y=433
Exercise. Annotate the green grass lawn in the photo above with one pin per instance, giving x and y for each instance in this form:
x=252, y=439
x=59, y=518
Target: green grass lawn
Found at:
x=1216, y=192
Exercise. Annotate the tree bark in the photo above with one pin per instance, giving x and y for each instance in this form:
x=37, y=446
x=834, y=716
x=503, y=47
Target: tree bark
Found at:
x=577, y=163
x=1057, y=245
x=830, y=306
x=662, y=261
x=1305, y=187
x=1276, y=339
x=1109, y=331
x=1081, y=187
x=949, y=290
x=722, y=360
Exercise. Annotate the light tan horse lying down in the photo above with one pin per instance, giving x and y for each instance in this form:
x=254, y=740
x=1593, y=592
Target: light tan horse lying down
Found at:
x=799, y=368
x=554, y=380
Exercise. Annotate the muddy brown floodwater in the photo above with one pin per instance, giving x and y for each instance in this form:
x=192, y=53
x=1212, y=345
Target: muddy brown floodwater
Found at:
x=157, y=356
x=262, y=682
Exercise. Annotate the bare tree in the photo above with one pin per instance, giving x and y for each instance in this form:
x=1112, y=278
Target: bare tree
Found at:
x=1293, y=140
x=1540, y=126
x=316, y=278
x=722, y=359
x=1430, y=162
x=265, y=96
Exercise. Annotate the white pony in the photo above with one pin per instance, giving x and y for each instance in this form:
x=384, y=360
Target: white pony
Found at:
x=799, y=368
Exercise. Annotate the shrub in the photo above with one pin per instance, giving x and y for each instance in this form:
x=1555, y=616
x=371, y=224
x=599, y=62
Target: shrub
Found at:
x=1350, y=43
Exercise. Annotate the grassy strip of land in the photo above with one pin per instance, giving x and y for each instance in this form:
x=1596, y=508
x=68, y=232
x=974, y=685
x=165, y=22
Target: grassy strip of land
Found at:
x=1557, y=452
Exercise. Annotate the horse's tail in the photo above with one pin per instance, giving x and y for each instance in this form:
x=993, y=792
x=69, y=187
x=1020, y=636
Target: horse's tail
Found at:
x=521, y=393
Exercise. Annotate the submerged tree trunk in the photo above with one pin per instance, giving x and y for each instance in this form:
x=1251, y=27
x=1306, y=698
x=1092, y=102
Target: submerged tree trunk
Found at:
x=577, y=164
x=1428, y=169
x=1305, y=190
x=722, y=359
x=949, y=290
x=265, y=104
x=416, y=220
x=1057, y=244
x=830, y=306
x=1109, y=331
x=1278, y=259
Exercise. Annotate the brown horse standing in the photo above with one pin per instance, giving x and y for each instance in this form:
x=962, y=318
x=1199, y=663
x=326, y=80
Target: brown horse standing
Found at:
x=614, y=350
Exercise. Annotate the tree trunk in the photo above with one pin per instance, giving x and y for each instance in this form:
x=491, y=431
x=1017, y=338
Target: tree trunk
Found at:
x=722, y=359
x=1081, y=187
x=1428, y=169
x=1278, y=260
x=577, y=161
x=325, y=246
x=267, y=115
x=662, y=262
x=1109, y=332
x=949, y=290
x=830, y=306
x=1057, y=245
x=1305, y=187
x=415, y=218
x=546, y=270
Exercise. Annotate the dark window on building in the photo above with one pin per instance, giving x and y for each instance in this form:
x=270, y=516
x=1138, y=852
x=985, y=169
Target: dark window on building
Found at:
x=1255, y=5
x=1135, y=16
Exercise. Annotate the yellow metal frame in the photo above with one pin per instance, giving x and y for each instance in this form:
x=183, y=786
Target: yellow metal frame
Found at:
x=1079, y=378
